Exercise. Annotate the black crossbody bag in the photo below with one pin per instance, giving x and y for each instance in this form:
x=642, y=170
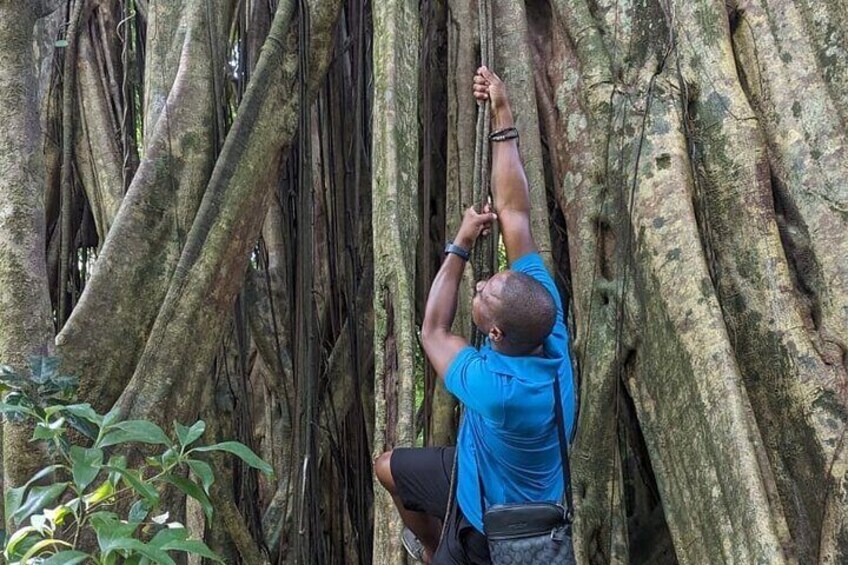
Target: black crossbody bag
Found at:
x=533, y=533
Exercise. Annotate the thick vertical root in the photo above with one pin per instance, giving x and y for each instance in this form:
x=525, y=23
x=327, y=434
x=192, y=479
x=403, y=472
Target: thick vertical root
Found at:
x=122, y=297
x=690, y=400
x=25, y=315
x=394, y=224
x=792, y=386
x=808, y=151
x=211, y=268
x=793, y=96
x=99, y=160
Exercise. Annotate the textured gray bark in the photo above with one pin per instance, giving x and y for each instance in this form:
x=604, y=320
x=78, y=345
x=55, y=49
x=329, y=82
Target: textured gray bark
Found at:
x=164, y=47
x=25, y=318
x=513, y=60
x=395, y=225
x=207, y=277
x=141, y=251
x=99, y=158
x=729, y=342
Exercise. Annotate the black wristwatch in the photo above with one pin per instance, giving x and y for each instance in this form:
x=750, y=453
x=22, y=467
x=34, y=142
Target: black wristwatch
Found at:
x=457, y=250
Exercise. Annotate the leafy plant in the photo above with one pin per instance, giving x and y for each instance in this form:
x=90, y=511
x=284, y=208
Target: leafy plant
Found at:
x=89, y=485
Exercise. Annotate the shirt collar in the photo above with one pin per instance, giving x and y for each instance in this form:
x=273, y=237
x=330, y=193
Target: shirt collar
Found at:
x=517, y=366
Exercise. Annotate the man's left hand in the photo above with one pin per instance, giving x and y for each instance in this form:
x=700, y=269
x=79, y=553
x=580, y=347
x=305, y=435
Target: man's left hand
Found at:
x=474, y=225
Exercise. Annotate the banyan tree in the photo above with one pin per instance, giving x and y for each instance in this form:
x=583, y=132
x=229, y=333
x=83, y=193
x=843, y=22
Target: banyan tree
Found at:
x=233, y=210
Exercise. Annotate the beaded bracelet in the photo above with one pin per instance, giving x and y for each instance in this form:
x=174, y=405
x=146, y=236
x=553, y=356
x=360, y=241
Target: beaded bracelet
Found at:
x=503, y=134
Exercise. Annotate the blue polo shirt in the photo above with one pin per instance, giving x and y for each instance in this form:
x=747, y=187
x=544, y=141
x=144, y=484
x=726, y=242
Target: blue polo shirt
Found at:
x=509, y=426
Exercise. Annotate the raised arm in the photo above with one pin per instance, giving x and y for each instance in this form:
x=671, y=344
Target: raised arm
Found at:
x=509, y=183
x=440, y=345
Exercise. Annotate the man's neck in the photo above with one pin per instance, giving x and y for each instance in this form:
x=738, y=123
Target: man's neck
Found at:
x=511, y=351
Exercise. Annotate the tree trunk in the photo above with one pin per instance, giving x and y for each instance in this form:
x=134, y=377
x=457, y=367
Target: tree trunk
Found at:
x=674, y=116
x=395, y=222
x=143, y=247
x=25, y=327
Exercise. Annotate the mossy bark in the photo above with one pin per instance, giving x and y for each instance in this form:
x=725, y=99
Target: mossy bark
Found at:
x=395, y=228
x=761, y=164
x=25, y=315
x=687, y=387
x=143, y=246
x=213, y=262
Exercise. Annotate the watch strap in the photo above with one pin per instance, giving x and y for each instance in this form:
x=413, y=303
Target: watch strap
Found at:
x=462, y=253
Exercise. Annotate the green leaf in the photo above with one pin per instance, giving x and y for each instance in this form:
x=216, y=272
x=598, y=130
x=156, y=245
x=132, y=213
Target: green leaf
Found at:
x=154, y=554
x=84, y=411
x=169, y=458
x=193, y=547
x=101, y=493
x=138, y=511
x=84, y=427
x=65, y=385
x=108, y=528
x=17, y=409
x=140, y=431
x=66, y=558
x=10, y=377
x=168, y=535
x=43, y=544
x=38, y=498
x=57, y=515
x=19, y=537
x=48, y=431
x=187, y=436
x=43, y=368
x=176, y=539
x=143, y=488
x=114, y=536
x=87, y=464
x=61, y=43
x=14, y=498
x=194, y=491
x=203, y=472
x=112, y=417
x=242, y=452
x=39, y=522
x=120, y=462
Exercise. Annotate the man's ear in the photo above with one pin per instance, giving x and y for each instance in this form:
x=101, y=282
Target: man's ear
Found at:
x=495, y=334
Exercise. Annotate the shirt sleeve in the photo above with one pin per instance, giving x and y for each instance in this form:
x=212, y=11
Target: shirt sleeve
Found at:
x=475, y=385
x=532, y=265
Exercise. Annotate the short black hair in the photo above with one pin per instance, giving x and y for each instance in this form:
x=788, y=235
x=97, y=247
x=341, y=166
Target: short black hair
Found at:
x=526, y=312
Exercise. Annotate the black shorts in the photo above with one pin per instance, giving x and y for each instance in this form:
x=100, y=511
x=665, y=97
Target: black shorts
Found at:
x=423, y=480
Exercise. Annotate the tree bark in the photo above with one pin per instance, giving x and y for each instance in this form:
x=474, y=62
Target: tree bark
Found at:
x=208, y=274
x=395, y=222
x=99, y=160
x=25, y=315
x=143, y=247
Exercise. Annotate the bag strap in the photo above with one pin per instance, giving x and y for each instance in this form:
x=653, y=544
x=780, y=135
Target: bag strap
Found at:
x=563, y=450
x=563, y=453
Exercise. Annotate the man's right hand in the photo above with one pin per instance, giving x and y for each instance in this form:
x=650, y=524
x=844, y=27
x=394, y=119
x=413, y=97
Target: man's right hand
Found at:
x=488, y=86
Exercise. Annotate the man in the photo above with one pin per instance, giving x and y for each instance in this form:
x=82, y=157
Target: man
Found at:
x=508, y=438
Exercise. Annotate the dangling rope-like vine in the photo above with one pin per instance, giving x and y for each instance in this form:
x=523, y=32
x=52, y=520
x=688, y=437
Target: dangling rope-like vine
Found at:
x=484, y=253
x=484, y=256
